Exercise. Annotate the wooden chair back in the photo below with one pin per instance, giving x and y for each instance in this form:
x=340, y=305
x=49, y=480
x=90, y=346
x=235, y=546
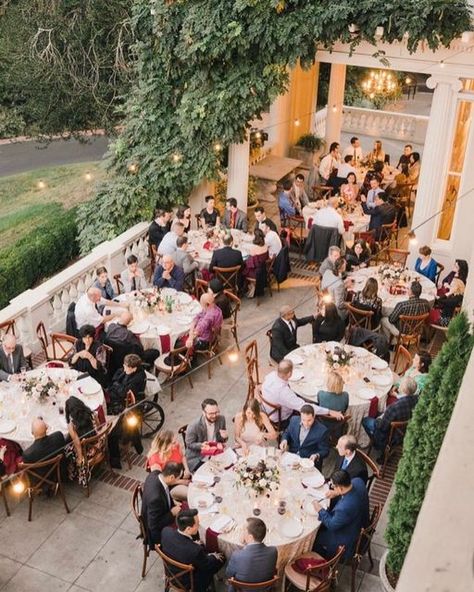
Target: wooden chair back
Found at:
x=402, y=360
x=235, y=304
x=136, y=510
x=373, y=466
x=42, y=338
x=439, y=271
x=178, y=576
x=251, y=363
x=199, y=224
x=118, y=283
x=152, y=255
x=268, y=586
x=270, y=337
x=364, y=540
x=94, y=448
x=275, y=410
x=296, y=226
x=63, y=346
x=358, y=318
x=179, y=361
x=322, y=191
x=200, y=287
x=229, y=276
x=397, y=257
x=104, y=355
x=269, y=263
x=182, y=433
x=395, y=439
x=7, y=327
x=130, y=399
x=325, y=572
x=411, y=328
x=368, y=236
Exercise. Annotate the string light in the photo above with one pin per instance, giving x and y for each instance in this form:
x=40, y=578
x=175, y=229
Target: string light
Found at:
x=412, y=238
x=41, y=185
x=132, y=420
x=88, y=177
x=217, y=147
x=327, y=298
x=18, y=487
x=176, y=157
x=132, y=168
x=441, y=64
x=407, y=80
x=233, y=356
x=297, y=122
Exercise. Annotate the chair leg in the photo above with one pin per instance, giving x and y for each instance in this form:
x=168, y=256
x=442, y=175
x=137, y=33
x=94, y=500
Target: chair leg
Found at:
x=384, y=464
x=209, y=369
x=190, y=382
x=63, y=497
x=5, y=502
x=30, y=507
x=369, y=553
x=353, y=575
x=172, y=391
x=145, y=557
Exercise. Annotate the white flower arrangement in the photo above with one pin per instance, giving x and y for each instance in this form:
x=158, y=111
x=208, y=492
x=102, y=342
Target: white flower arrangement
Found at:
x=148, y=300
x=261, y=478
x=40, y=388
x=339, y=357
x=390, y=272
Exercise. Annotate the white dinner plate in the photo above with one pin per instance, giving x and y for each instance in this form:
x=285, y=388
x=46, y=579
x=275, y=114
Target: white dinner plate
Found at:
x=290, y=528
x=316, y=480
x=162, y=330
x=378, y=364
x=306, y=464
x=296, y=375
x=381, y=380
x=7, y=426
x=203, y=479
x=183, y=297
x=89, y=387
x=295, y=358
x=221, y=523
x=139, y=327
x=309, y=508
x=204, y=500
x=289, y=459
x=366, y=392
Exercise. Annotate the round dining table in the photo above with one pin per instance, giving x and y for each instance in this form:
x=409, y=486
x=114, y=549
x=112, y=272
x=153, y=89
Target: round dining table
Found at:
x=17, y=410
x=202, y=247
x=354, y=221
x=389, y=301
x=223, y=507
x=367, y=379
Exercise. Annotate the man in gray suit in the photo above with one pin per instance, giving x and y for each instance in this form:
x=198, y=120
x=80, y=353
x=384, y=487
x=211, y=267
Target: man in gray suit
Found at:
x=210, y=427
x=256, y=562
x=233, y=217
x=12, y=358
x=183, y=258
x=133, y=278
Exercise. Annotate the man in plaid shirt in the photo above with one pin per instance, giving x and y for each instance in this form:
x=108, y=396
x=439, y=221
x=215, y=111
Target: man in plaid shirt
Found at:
x=378, y=429
x=413, y=307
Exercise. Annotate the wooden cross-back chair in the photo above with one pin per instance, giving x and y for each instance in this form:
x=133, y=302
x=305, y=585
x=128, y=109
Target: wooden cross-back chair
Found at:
x=229, y=276
x=369, y=237
x=43, y=475
x=411, y=328
x=402, y=360
x=211, y=352
x=296, y=226
x=397, y=257
x=200, y=287
x=60, y=346
x=363, y=544
x=198, y=221
x=231, y=322
x=358, y=318
x=268, y=586
x=152, y=255
x=375, y=470
x=439, y=271
x=270, y=337
x=173, y=364
x=182, y=433
x=322, y=191
x=395, y=441
x=251, y=362
x=176, y=581
x=119, y=284
x=321, y=578
x=136, y=510
x=95, y=449
x=387, y=233
x=336, y=427
x=274, y=415
x=9, y=327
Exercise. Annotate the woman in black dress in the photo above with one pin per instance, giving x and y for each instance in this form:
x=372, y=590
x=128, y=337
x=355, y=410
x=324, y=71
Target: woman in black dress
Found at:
x=328, y=325
x=87, y=357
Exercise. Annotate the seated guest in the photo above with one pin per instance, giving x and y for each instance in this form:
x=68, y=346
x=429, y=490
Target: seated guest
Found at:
x=180, y=544
x=445, y=306
x=425, y=264
x=460, y=271
x=169, y=245
x=329, y=163
x=168, y=275
x=164, y=449
x=159, y=227
x=378, y=429
x=233, y=217
x=299, y=195
x=375, y=171
x=335, y=397
x=328, y=325
x=284, y=332
x=414, y=168
x=252, y=426
x=372, y=193
x=328, y=217
x=183, y=216
x=377, y=154
x=12, y=358
x=344, y=168
x=158, y=507
x=414, y=306
x=81, y=423
x=418, y=371
x=221, y=300
x=254, y=268
x=45, y=446
x=261, y=217
x=104, y=284
x=119, y=336
x=205, y=325
x=383, y=213
x=334, y=284
x=285, y=200
x=133, y=278
x=354, y=150
x=276, y=391
x=243, y=562
x=209, y=215
x=358, y=257
x=209, y=428
x=367, y=299
x=306, y=437
x=350, y=188
x=334, y=254
x=183, y=258
x=341, y=525
x=86, y=354
x=226, y=256
x=86, y=312
x=272, y=240
x=404, y=160
x=349, y=461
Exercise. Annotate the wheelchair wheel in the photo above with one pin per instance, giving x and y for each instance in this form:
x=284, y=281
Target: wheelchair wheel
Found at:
x=153, y=418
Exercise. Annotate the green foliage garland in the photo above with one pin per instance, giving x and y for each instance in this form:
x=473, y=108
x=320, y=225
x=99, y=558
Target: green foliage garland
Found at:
x=424, y=438
x=205, y=68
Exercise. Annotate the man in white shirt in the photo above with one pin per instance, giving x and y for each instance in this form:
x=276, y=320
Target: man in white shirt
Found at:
x=298, y=190
x=374, y=190
x=168, y=245
x=329, y=217
x=272, y=240
x=329, y=162
x=86, y=310
x=277, y=391
x=346, y=167
x=354, y=150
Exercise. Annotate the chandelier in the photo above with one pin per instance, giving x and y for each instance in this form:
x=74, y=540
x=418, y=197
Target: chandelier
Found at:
x=380, y=84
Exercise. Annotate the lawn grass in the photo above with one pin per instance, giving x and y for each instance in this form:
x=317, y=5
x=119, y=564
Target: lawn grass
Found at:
x=24, y=205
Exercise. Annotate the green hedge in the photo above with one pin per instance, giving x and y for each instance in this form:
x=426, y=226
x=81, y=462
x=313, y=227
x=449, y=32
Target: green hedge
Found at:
x=40, y=254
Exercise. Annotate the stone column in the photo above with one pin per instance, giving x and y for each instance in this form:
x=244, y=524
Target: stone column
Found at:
x=434, y=163
x=238, y=173
x=337, y=84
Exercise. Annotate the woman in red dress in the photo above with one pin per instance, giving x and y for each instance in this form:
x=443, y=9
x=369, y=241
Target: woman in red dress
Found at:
x=164, y=449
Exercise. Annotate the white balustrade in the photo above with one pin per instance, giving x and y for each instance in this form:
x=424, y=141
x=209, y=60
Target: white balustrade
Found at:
x=50, y=300
x=320, y=122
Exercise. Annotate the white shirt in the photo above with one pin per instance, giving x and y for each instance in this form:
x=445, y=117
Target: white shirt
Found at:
x=355, y=152
x=344, y=169
x=168, y=244
x=326, y=165
x=276, y=391
x=371, y=196
x=347, y=460
x=273, y=242
x=86, y=312
x=211, y=431
x=329, y=218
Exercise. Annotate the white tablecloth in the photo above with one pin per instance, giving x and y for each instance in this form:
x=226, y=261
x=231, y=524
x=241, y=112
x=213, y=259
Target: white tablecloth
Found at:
x=197, y=238
x=389, y=174
x=389, y=301
x=311, y=361
x=239, y=504
x=16, y=406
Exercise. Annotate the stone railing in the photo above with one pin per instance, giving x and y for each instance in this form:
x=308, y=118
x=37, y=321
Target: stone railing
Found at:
x=48, y=303
x=320, y=122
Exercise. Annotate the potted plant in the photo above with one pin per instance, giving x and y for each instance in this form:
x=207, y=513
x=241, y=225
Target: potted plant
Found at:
x=306, y=147
x=221, y=194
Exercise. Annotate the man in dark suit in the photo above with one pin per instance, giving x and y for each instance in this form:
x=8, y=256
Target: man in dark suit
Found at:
x=45, y=446
x=180, y=546
x=226, y=256
x=159, y=227
x=383, y=213
x=349, y=461
x=341, y=525
x=307, y=437
x=12, y=358
x=284, y=333
x=158, y=507
x=261, y=217
x=242, y=563
x=210, y=427
x=233, y=217
x=124, y=342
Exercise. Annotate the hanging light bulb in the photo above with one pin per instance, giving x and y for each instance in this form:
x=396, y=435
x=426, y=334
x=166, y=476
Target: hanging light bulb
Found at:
x=132, y=168
x=88, y=177
x=18, y=486
x=176, y=157
x=132, y=420
x=297, y=122
x=233, y=356
x=217, y=147
x=41, y=185
x=412, y=239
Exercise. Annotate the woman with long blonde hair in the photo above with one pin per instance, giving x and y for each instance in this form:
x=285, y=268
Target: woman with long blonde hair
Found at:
x=164, y=449
x=252, y=426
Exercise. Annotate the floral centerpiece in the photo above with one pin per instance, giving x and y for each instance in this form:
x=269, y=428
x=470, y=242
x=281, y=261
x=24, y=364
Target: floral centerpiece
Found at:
x=339, y=357
x=261, y=478
x=390, y=272
x=148, y=300
x=40, y=388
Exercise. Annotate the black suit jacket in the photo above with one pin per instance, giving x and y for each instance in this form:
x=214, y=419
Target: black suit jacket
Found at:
x=19, y=361
x=156, y=233
x=283, y=340
x=383, y=214
x=181, y=548
x=44, y=448
x=226, y=257
x=156, y=510
x=356, y=468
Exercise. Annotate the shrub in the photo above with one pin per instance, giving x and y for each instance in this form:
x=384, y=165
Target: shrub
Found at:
x=38, y=255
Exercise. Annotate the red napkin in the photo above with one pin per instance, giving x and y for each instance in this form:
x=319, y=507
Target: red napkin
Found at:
x=12, y=455
x=374, y=407
x=214, y=450
x=100, y=415
x=347, y=224
x=54, y=365
x=391, y=399
x=212, y=546
x=208, y=246
x=165, y=341
x=310, y=222
x=304, y=563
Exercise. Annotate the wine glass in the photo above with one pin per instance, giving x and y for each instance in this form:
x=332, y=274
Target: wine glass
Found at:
x=281, y=507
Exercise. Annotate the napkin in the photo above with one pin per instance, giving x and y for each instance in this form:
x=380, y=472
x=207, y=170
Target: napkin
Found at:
x=203, y=478
x=347, y=224
x=212, y=546
x=374, y=407
x=165, y=341
x=310, y=222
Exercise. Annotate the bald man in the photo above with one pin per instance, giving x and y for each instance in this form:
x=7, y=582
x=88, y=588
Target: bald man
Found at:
x=12, y=358
x=124, y=342
x=206, y=324
x=45, y=446
x=284, y=332
x=87, y=312
x=168, y=275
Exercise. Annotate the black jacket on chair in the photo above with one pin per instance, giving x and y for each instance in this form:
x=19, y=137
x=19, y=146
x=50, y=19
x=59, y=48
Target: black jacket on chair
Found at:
x=320, y=238
x=282, y=265
x=156, y=509
x=226, y=257
x=283, y=339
